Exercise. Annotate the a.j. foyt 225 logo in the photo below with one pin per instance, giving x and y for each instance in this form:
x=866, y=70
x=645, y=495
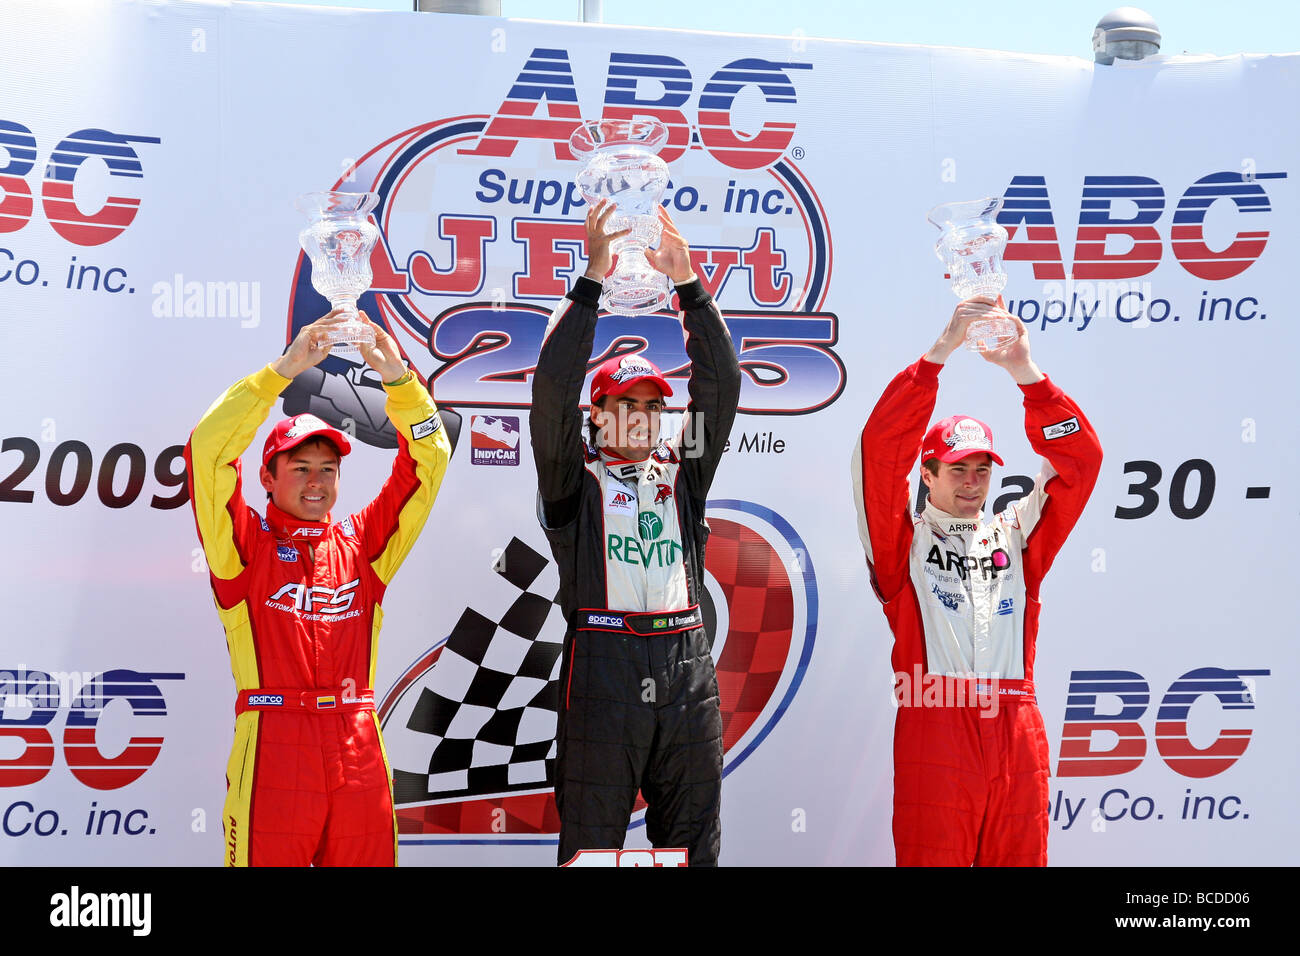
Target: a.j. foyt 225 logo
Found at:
x=1101, y=736
x=495, y=189
x=472, y=741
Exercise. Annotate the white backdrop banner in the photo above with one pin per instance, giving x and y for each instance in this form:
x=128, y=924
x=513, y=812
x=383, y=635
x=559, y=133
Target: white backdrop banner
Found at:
x=150, y=153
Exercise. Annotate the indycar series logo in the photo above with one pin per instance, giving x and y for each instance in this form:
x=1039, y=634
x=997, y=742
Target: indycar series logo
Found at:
x=494, y=440
x=482, y=234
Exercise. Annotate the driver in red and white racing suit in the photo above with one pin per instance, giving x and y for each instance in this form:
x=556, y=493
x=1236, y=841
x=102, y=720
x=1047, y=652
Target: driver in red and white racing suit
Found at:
x=961, y=596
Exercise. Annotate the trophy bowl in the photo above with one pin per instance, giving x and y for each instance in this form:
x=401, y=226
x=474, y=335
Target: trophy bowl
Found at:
x=621, y=165
x=338, y=241
x=970, y=246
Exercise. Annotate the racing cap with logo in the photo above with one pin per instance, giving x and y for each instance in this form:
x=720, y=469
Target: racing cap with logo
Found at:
x=617, y=375
x=292, y=432
x=954, y=438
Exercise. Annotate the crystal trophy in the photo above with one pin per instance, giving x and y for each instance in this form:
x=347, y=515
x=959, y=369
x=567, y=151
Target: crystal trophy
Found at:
x=970, y=245
x=338, y=242
x=622, y=166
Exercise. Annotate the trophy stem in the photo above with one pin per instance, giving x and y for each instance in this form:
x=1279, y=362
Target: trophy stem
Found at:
x=626, y=245
x=348, y=303
x=990, y=335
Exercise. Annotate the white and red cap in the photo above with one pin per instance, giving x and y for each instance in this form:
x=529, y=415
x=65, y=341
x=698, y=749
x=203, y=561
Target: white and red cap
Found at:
x=954, y=438
x=292, y=432
x=615, y=376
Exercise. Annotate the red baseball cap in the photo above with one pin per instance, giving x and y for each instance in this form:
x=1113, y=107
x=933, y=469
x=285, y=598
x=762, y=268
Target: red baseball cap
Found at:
x=292, y=432
x=615, y=376
x=954, y=438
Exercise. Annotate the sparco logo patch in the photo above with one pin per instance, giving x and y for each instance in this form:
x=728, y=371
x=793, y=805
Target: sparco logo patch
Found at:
x=265, y=700
x=1061, y=429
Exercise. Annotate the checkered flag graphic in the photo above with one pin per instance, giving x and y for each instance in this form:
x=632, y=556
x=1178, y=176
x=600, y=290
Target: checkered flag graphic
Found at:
x=485, y=713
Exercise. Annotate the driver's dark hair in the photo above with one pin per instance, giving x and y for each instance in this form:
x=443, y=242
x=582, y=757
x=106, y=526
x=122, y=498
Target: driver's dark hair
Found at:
x=593, y=430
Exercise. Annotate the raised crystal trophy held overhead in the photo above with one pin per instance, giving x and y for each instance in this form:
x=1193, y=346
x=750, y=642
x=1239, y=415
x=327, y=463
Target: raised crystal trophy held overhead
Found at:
x=338, y=242
x=621, y=166
x=970, y=245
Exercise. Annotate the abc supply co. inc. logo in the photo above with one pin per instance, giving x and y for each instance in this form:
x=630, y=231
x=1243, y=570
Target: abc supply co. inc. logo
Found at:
x=1102, y=737
x=495, y=192
x=472, y=740
x=1217, y=229
x=107, y=728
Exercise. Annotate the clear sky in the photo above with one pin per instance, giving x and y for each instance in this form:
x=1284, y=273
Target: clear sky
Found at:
x=1061, y=27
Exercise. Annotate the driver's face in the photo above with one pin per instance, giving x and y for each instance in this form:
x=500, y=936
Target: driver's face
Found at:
x=961, y=487
x=629, y=423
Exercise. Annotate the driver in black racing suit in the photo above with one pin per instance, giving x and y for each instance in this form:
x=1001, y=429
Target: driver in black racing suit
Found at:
x=624, y=514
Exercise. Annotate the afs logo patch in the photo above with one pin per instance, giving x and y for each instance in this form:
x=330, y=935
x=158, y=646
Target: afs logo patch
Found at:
x=471, y=742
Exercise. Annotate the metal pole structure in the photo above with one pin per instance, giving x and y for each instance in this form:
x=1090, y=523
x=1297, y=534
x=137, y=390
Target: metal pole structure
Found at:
x=590, y=11
x=1126, y=33
x=482, y=8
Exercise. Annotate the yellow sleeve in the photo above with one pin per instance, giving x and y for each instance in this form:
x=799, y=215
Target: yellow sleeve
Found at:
x=225, y=522
x=390, y=524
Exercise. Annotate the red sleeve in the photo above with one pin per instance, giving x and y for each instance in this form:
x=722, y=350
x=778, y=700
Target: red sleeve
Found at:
x=883, y=460
x=1057, y=430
